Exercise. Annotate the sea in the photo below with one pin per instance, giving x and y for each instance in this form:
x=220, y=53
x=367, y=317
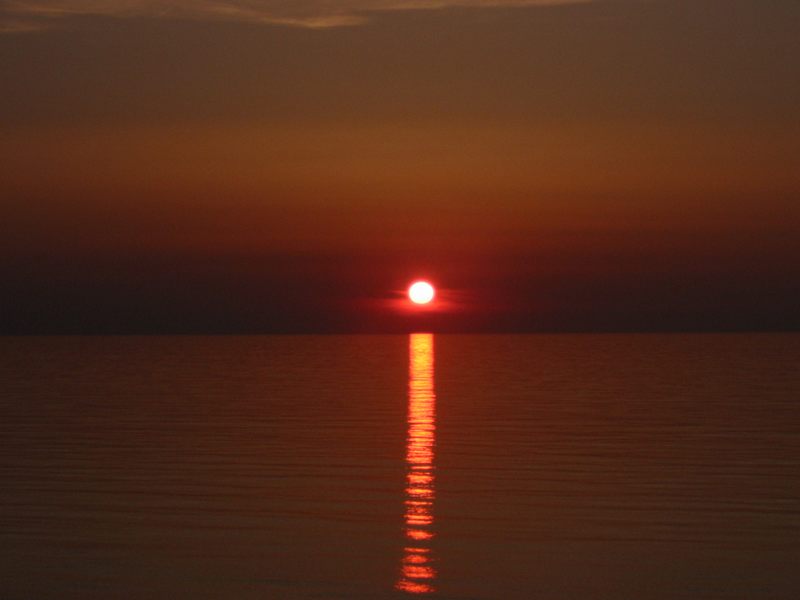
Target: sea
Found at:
x=536, y=467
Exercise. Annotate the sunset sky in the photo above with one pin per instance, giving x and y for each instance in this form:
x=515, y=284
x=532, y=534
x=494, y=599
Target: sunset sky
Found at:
x=292, y=165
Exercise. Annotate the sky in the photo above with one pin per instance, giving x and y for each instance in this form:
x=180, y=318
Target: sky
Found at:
x=252, y=166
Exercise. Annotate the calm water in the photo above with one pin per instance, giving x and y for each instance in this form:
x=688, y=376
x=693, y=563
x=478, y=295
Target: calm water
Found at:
x=368, y=467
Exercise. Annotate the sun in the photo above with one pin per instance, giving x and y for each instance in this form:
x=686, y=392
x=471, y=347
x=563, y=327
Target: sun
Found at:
x=421, y=292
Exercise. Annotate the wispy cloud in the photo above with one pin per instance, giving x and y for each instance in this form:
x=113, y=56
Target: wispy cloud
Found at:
x=32, y=15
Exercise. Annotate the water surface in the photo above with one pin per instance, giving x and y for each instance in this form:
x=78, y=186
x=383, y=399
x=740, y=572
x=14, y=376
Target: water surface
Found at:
x=552, y=467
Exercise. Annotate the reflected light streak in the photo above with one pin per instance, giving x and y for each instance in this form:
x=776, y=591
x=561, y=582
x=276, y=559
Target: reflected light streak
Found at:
x=417, y=573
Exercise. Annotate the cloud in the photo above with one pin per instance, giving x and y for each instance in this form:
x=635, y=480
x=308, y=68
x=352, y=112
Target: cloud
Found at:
x=32, y=15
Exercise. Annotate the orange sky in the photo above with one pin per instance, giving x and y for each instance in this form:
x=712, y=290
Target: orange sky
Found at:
x=578, y=146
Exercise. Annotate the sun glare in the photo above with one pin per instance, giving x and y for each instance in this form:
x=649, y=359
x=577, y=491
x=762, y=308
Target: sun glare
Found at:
x=421, y=292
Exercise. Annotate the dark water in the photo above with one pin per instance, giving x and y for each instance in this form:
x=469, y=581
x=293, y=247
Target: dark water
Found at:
x=368, y=467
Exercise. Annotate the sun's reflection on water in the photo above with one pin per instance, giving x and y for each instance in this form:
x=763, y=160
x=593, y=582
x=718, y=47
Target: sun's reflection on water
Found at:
x=417, y=573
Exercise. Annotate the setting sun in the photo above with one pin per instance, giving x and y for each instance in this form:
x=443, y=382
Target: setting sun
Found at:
x=421, y=292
